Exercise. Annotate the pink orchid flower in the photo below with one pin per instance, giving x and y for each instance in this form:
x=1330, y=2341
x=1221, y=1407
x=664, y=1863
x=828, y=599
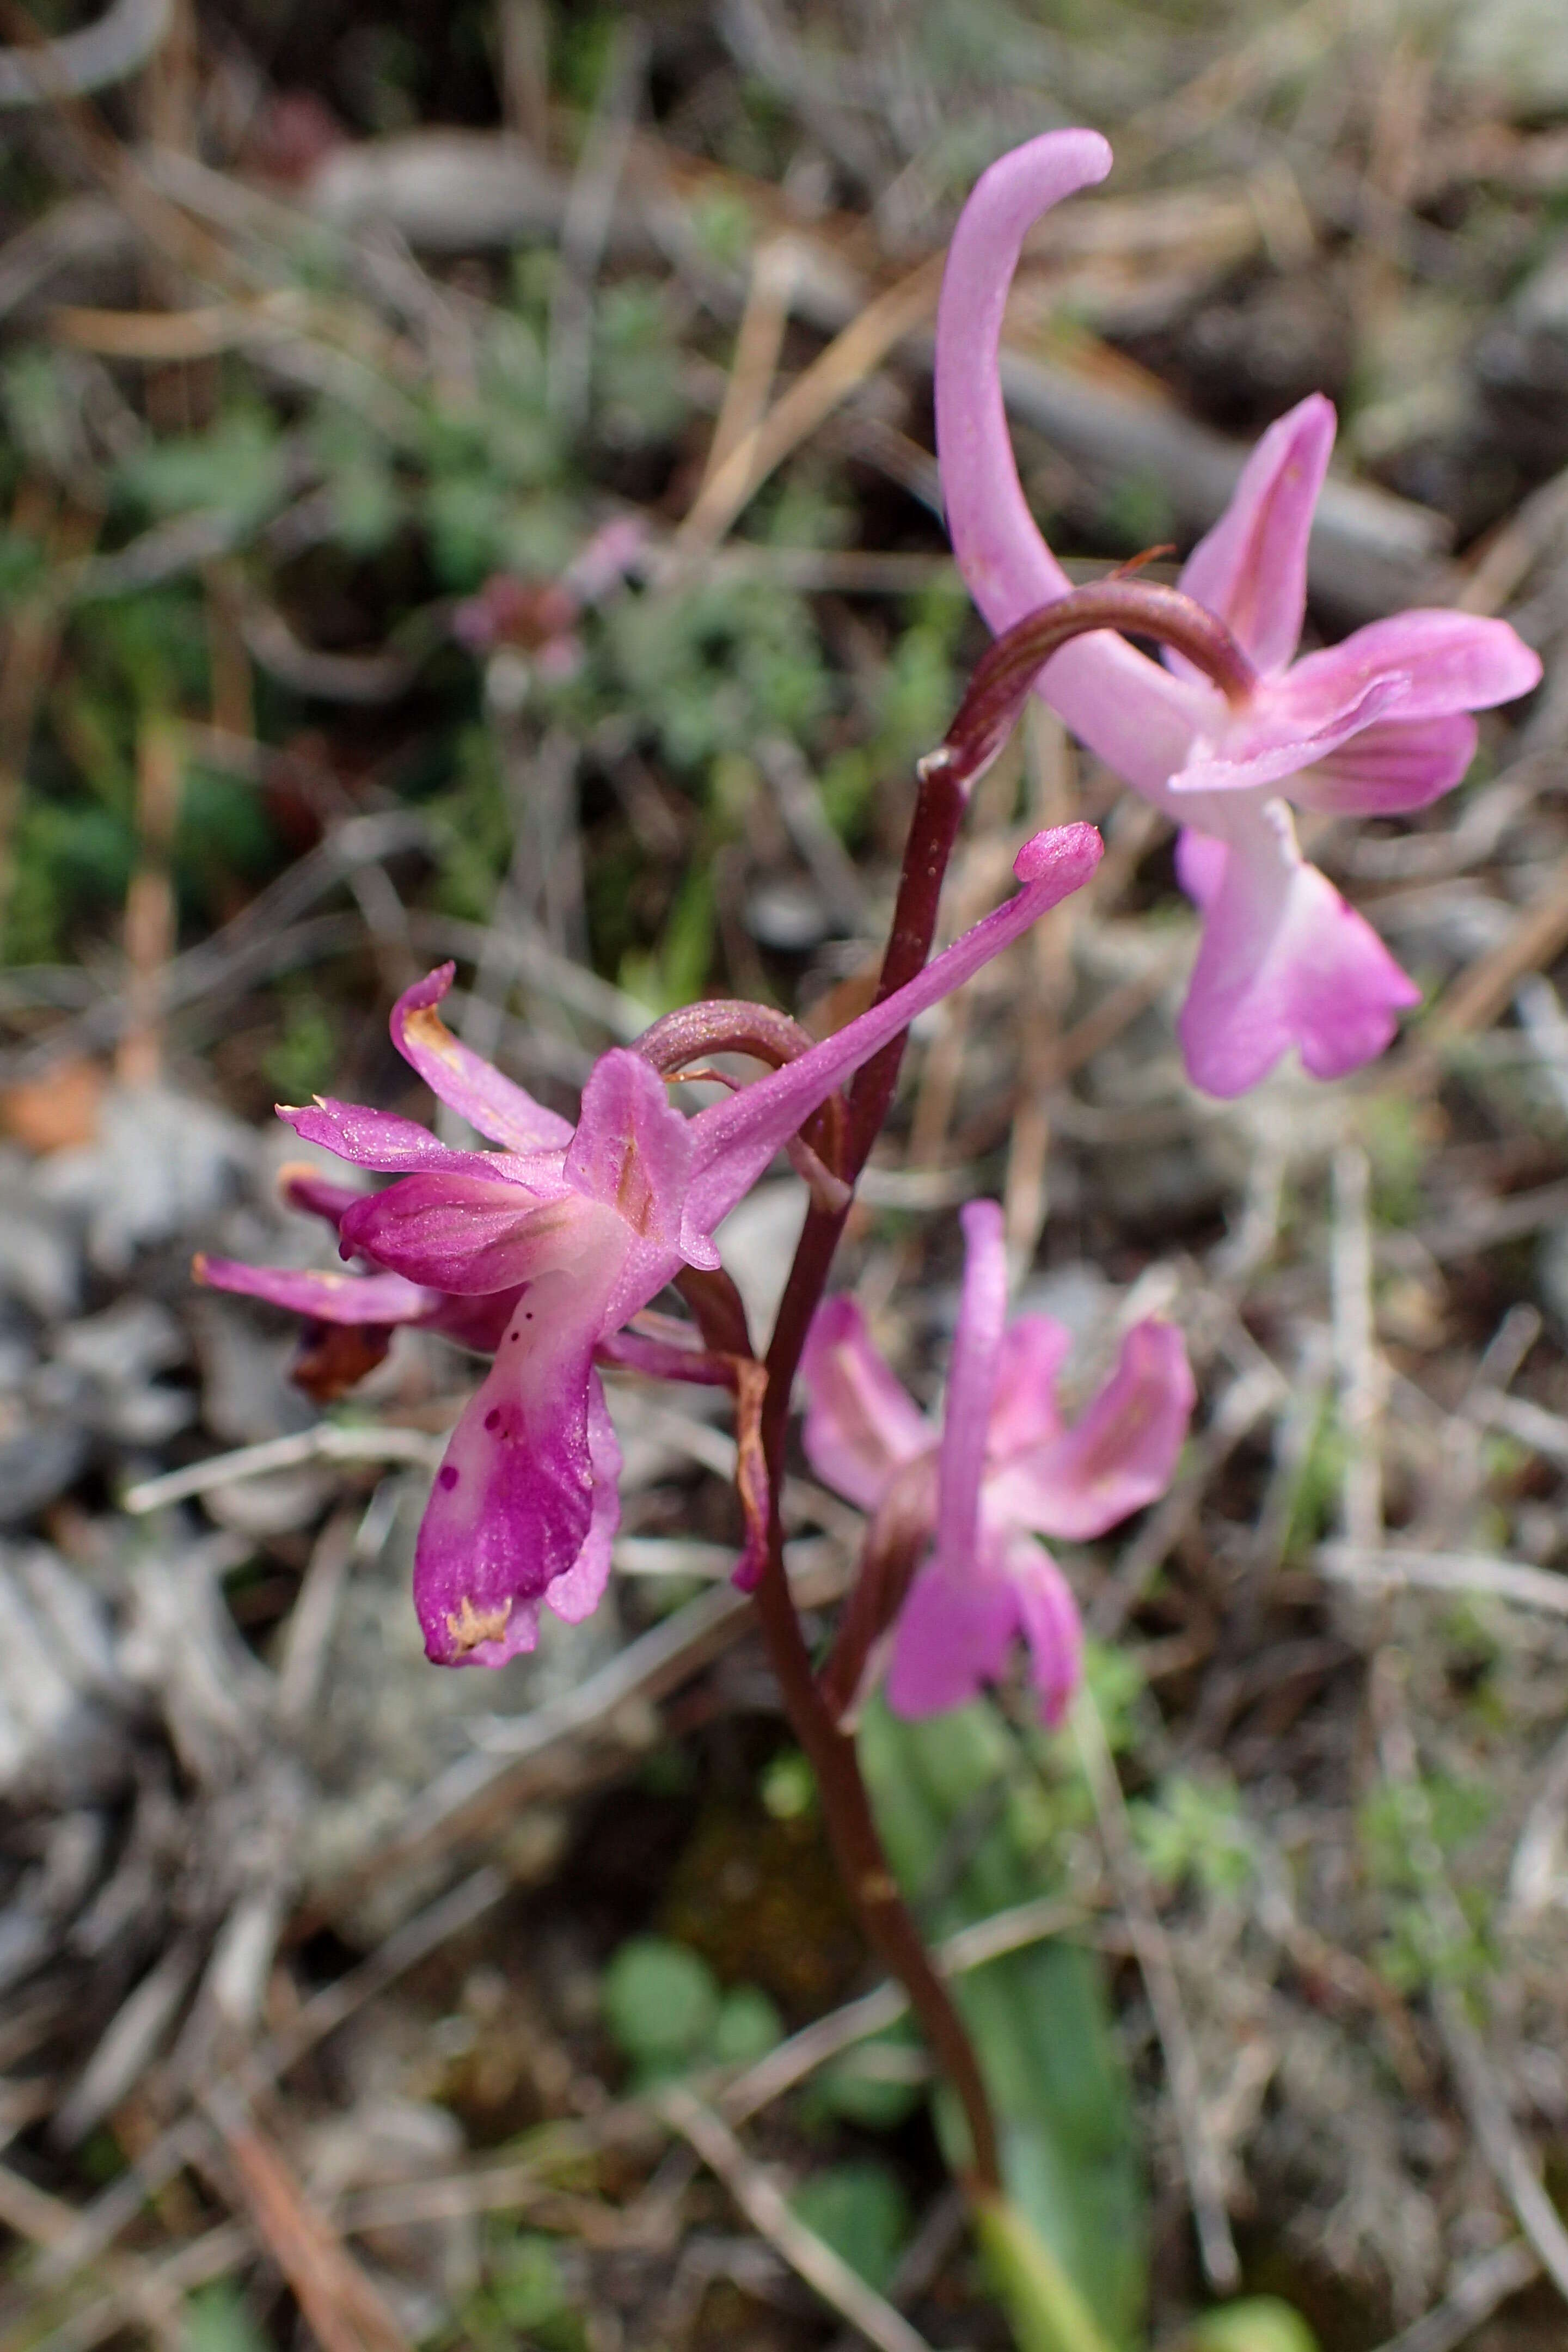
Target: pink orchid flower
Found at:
x=551, y=1245
x=1006, y=1473
x=1374, y=726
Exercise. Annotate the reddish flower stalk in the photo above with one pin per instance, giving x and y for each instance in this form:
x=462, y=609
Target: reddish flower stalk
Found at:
x=1007, y=671
x=986, y=715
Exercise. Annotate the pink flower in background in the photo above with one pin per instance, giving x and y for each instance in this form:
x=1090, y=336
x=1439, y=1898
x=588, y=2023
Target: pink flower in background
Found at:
x=539, y=616
x=549, y=1246
x=1374, y=726
x=1006, y=1472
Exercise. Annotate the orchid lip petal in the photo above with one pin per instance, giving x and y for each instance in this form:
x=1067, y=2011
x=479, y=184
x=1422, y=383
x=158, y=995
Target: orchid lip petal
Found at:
x=952, y=1636
x=1284, y=962
x=514, y=1502
x=577, y=1591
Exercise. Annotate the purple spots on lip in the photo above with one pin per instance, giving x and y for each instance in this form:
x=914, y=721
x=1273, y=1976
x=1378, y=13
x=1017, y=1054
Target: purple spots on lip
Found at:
x=492, y=1418
x=447, y=1476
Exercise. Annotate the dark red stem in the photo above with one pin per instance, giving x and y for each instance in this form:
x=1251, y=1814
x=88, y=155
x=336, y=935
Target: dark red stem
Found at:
x=846, y=1806
x=1007, y=669
x=986, y=716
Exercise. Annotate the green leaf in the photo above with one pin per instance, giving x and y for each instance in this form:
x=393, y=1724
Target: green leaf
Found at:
x=747, y=2026
x=236, y=469
x=218, y=2319
x=879, y=2084
x=661, y=2002
x=1195, y=1828
x=1048, y=2313
x=527, y=2284
x=946, y=1796
x=1260, y=2323
x=301, y=1061
x=861, y=2212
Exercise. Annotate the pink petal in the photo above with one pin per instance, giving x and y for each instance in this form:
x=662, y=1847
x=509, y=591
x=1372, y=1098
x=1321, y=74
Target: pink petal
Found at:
x=379, y=1140
x=463, y=1232
x=602, y=561
x=1034, y=1350
x=1200, y=866
x=734, y=1140
x=1134, y=713
x=577, y=1592
x=1449, y=661
x=1118, y=1455
x=477, y=1322
x=1284, y=727
x=1284, y=962
x=953, y=1634
x=315, y=1195
x=463, y=1080
x=515, y=1501
x=1251, y=568
x=1051, y=1625
x=634, y=1151
x=1392, y=766
x=970, y=1383
x=329, y=1298
x=861, y=1426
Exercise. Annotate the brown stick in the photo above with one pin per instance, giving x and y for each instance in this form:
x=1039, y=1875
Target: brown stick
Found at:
x=150, y=915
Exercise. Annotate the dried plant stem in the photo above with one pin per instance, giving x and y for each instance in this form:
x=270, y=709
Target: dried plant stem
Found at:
x=774, y=271
x=1355, y=1347
x=1200, y=2157
x=1475, y=2295
x=771, y=2217
x=150, y=916
x=1481, y=2085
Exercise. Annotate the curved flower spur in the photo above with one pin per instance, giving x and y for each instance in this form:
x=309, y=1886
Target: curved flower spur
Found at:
x=1374, y=726
x=960, y=1512
x=547, y=1247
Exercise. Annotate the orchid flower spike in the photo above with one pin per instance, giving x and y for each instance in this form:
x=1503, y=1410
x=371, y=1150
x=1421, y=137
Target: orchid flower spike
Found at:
x=1374, y=726
x=1007, y=1472
x=548, y=1246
